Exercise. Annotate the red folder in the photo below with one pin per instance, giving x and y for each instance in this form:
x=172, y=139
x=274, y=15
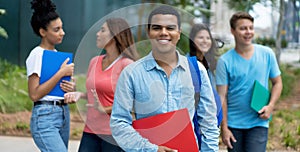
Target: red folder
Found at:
x=172, y=129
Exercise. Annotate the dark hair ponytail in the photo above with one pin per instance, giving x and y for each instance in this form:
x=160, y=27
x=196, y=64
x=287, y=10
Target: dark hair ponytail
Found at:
x=44, y=11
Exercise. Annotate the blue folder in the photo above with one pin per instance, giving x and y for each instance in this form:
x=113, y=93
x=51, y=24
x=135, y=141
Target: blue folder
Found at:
x=51, y=63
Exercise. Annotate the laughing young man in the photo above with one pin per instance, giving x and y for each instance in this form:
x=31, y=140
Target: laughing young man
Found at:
x=243, y=129
x=159, y=83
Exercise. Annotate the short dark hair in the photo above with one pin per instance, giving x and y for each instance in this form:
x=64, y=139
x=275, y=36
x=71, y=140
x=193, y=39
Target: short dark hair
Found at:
x=44, y=13
x=239, y=15
x=165, y=10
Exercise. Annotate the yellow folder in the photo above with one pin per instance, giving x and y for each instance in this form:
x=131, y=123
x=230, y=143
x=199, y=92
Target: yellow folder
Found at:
x=260, y=96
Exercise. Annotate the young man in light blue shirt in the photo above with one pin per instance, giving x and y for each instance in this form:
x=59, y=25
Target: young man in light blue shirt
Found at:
x=243, y=129
x=159, y=83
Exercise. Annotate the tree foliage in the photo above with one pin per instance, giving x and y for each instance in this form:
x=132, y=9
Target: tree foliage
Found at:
x=239, y=5
x=246, y=5
x=3, y=33
x=188, y=5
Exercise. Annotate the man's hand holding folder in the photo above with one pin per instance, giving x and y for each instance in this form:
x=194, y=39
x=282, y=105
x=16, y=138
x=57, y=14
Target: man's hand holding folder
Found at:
x=260, y=101
x=172, y=129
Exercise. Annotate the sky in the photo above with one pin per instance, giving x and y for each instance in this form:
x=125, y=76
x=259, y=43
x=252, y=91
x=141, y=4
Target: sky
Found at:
x=263, y=16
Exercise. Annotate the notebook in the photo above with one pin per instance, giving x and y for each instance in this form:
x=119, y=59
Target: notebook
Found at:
x=260, y=96
x=172, y=129
x=51, y=63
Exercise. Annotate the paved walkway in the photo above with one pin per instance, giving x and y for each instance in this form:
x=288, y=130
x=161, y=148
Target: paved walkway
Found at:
x=291, y=57
x=26, y=144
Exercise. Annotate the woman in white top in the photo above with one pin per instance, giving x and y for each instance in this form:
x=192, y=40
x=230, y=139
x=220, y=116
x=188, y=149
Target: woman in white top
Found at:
x=50, y=120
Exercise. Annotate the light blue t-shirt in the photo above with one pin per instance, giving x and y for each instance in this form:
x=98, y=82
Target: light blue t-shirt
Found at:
x=239, y=74
x=145, y=87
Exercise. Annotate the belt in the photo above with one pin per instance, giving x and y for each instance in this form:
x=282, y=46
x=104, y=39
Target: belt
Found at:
x=54, y=102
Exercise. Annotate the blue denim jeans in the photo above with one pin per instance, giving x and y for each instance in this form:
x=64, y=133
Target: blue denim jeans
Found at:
x=50, y=127
x=98, y=143
x=249, y=140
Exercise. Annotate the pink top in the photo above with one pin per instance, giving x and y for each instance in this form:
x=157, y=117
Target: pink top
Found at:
x=105, y=84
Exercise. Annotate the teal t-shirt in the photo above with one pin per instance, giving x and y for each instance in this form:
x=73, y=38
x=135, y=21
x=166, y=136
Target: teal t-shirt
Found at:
x=239, y=74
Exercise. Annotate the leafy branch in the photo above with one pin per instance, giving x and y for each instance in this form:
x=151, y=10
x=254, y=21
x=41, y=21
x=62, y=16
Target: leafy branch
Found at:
x=3, y=33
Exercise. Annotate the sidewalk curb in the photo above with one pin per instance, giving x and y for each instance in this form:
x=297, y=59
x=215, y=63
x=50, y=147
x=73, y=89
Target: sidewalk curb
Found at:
x=26, y=144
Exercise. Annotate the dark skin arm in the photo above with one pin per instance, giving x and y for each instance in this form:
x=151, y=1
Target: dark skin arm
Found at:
x=37, y=91
x=68, y=86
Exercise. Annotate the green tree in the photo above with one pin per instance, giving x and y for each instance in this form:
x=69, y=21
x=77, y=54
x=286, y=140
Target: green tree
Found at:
x=202, y=6
x=239, y=5
x=3, y=33
x=279, y=29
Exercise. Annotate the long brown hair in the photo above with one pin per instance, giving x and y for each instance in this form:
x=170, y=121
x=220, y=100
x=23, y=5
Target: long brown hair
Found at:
x=121, y=33
x=208, y=60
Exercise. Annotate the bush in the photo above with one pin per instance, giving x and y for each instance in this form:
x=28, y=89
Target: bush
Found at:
x=270, y=42
x=10, y=70
x=3, y=32
x=265, y=41
x=289, y=76
x=13, y=87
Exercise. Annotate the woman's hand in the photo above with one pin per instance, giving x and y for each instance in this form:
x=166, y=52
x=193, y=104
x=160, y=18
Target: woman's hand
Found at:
x=68, y=86
x=72, y=97
x=67, y=69
x=97, y=105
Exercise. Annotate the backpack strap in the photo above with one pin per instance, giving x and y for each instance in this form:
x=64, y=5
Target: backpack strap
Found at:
x=196, y=77
x=218, y=103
